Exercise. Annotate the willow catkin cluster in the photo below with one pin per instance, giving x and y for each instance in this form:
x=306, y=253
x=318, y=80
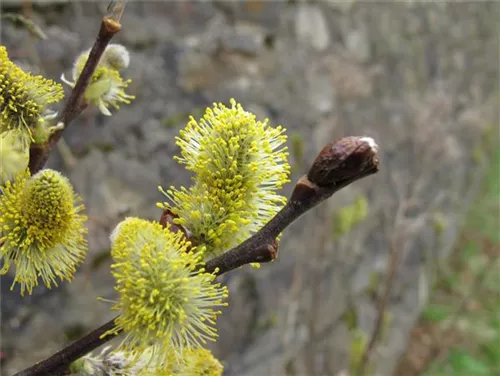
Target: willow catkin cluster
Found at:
x=25, y=117
x=166, y=298
x=150, y=362
x=107, y=87
x=41, y=229
x=41, y=225
x=24, y=100
x=239, y=163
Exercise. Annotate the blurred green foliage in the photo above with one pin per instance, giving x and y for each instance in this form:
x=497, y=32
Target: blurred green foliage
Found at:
x=297, y=151
x=356, y=351
x=476, y=266
x=349, y=216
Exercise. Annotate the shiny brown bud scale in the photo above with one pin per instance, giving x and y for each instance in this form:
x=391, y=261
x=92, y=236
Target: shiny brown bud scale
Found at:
x=343, y=160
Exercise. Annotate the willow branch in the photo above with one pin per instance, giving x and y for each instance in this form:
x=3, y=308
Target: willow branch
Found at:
x=110, y=25
x=339, y=164
x=58, y=363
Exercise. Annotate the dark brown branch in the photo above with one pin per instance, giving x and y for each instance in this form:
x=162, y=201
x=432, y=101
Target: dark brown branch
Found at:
x=338, y=165
x=231, y=260
x=393, y=263
x=39, y=154
x=57, y=364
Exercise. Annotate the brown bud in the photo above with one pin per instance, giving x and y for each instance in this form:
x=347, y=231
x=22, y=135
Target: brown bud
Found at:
x=267, y=252
x=273, y=249
x=343, y=161
x=167, y=217
x=303, y=190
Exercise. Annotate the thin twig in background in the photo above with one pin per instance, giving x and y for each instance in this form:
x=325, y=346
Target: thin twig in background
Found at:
x=30, y=25
x=317, y=257
x=397, y=232
x=393, y=262
x=339, y=164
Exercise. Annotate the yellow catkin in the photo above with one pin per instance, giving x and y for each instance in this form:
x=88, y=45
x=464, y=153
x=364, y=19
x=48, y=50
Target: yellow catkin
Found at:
x=24, y=97
x=107, y=87
x=239, y=164
x=42, y=229
x=164, y=297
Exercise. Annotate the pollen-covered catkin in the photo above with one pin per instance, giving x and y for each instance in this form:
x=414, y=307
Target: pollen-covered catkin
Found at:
x=24, y=100
x=239, y=164
x=165, y=296
x=14, y=154
x=107, y=87
x=42, y=229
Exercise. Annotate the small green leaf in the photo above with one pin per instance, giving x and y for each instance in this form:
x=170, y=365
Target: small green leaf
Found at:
x=465, y=364
x=436, y=313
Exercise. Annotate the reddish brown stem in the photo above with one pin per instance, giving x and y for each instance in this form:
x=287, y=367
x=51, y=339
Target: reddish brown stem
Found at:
x=58, y=363
x=39, y=154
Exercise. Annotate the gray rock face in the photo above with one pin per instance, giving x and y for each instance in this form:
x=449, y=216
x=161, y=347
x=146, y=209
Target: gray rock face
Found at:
x=311, y=27
x=43, y=4
x=420, y=79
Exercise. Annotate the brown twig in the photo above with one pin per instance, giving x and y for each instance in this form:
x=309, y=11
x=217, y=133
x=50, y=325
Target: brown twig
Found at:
x=57, y=364
x=110, y=25
x=337, y=165
x=393, y=263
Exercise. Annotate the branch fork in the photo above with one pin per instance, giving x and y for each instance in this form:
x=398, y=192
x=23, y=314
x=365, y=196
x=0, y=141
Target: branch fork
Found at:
x=337, y=165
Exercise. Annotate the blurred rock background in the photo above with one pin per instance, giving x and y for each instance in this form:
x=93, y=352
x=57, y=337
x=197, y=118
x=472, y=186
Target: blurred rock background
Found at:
x=422, y=79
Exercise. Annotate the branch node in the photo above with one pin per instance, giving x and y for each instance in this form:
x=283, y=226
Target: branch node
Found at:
x=304, y=189
x=268, y=252
x=273, y=249
x=111, y=25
